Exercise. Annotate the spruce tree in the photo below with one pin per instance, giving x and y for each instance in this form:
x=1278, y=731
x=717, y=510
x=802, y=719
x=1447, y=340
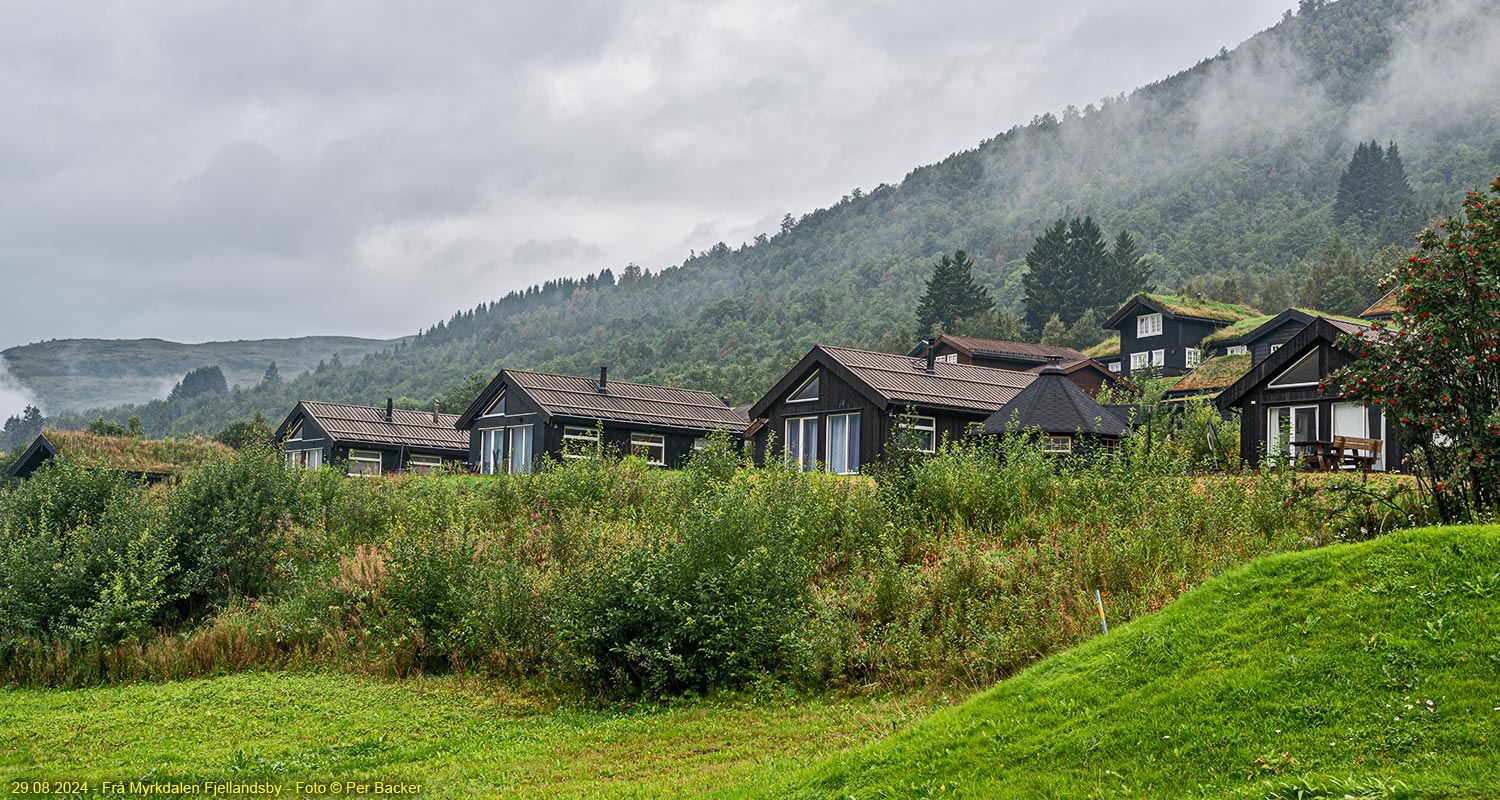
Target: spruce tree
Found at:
x=1129, y=274
x=952, y=295
x=1373, y=188
x=1069, y=269
x=1047, y=264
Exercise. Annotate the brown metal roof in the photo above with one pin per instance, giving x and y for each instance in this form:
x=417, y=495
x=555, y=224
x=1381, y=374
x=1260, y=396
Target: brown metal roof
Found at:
x=904, y=379
x=410, y=428
x=571, y=396
x=998, y=347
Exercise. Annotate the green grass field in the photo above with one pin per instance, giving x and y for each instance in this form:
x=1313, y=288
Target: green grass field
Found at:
x=452, y=739
x=1367, y=670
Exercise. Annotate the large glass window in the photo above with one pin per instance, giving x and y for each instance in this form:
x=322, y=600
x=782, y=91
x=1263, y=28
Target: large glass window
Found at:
x=1148, y=325
x=307, y=459
x=925, y=429
x=1352, y=419
x=424, y=465
x=520, y=450
x=650, y=446
x=364, y=462
x=1288, y=425
x=807, y=392
x=491, y=450
x=843, y=443
x=802, y=442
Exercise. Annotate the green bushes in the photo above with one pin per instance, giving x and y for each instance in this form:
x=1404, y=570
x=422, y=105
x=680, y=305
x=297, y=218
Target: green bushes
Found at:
x=609, y=578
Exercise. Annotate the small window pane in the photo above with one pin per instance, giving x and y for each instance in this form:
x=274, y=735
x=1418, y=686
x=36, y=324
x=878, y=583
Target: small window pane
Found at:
x=364, y=462
x=806, y=392
x=650, y=446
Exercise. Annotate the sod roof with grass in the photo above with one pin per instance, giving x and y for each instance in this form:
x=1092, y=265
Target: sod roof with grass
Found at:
x=1238, y=330
x=1179, y=306
x=151, y=457
x=1214, y=374
x=1106, y=349
x=1360, y=670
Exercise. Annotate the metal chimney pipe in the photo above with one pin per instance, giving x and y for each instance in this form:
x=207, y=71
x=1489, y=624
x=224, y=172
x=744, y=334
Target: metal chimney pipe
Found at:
x=390, y=408
x=434, y=412
x=603, y=380
x=931, y=359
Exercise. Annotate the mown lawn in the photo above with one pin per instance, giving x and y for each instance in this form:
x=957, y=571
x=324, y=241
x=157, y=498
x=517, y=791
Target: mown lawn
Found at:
x=1367, y=671
x=454, y=739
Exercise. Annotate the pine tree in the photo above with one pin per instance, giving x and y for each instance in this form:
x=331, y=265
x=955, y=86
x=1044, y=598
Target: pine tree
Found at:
x=1129, y=274
x=952, y=295
x=273, y=375
x=1069, y=267
x=1373, y=187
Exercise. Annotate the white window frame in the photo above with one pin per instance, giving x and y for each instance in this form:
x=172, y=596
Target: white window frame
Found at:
x=1158, y=358
x=806, y=454
x=850, y=466
x=580, y=442
x=1237, y=350
x=1192, y=357
x=512, y=455
x=1274, y=348
x=793, y=398
x=1273, y=429
x=1114, y=366
x=700, y=443
x=949, y=358
x=920, y=424
x=1364, y=428
x=295, y=435
x=488, y=450
x=423, y=464
x=1057, y=444
x=1275, y=384
x=497, y=403
x=364, y=457
x=1141, y=360
x=1148, y=325
x=306, y=459
x=651, y=446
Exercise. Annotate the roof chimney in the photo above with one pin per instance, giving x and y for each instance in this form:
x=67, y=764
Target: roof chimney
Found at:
x=390, y=407
x=931, y=358
x=724, y=398
x=434, y=412
x=604, y=380
x=1054, y=365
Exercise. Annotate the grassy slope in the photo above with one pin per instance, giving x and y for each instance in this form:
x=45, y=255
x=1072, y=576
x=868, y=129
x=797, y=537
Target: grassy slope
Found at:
x=1311, y=669
x=455, y=740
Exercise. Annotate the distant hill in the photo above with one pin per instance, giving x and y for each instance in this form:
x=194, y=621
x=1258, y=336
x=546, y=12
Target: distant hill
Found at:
x=1363, y=671
x=79, y=374
x=1226, y=174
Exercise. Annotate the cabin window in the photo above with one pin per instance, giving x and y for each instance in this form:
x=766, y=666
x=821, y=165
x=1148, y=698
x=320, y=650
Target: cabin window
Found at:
x=520, y=450
x=1352, y=419
x=802, y=443
x=807, y=392
x=1148, y=325
x=950, y=358
x=364, y=462
x=580, y=442
x=1057, y=444
x=1238, y=350
x=924, y=429
x=492, y=449
x=1274, y=348
x=650, y=446
x=1288, y=425
x=700, y=443
x=306, y=459
x=424, y=465
x=1139, y=361
x=296, y=433
x=497, y=408
x=974, y=429
x=1114, y=366
x=1158, y=358
x=843, y=443
x=1302, y=373
x=1193, y=357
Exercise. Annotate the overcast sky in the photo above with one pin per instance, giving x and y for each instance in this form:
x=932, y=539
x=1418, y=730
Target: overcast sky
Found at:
x=198, y=170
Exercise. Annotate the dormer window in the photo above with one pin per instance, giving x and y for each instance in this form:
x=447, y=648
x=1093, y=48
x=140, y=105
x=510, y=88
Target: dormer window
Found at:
x=1238, y=350
x=1148, y=325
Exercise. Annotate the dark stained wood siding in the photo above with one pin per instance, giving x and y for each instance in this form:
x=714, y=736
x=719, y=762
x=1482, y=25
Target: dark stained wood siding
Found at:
x=1280, y=335
x=1177, y=334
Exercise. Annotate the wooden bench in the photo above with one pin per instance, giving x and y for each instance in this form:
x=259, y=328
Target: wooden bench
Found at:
x=1356, y=452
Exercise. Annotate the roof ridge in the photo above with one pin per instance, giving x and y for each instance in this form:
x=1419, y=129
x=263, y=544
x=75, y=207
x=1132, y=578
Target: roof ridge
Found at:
x=611, y=382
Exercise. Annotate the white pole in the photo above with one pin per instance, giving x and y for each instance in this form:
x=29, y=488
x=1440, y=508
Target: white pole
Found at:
x=1099, y=598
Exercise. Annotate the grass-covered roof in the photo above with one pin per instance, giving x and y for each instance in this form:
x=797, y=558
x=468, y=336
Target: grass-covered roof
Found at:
x=1106, y=349
x=1213, y=374
x=133, y=454
x=1201, y=309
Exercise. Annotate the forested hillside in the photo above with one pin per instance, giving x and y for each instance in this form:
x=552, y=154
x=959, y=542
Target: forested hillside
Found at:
x=1227, y=174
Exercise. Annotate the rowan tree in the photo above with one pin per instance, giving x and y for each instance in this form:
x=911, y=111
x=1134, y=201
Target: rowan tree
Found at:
x=1438, y=372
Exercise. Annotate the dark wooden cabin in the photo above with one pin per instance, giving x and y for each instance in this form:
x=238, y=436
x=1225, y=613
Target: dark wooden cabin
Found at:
x=1163, y=334
x=522, y=416
x=1069, y=421
x=838, y=407
x=1284, y=388
x=371, y=441
x=1090, y=375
